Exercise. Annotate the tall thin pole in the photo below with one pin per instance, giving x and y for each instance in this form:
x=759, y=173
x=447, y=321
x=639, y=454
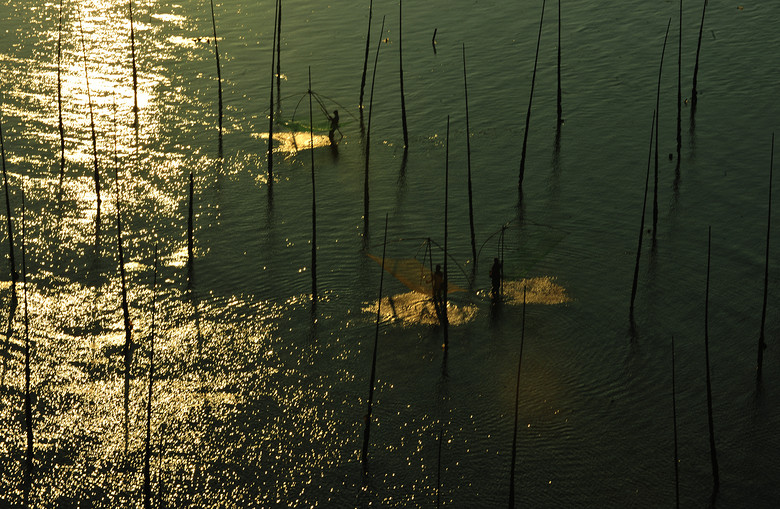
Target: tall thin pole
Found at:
x=530, y=100
x=761, y=339
x=367, y=432
x=560, y=106
x=517, y=400
x=468, y=163
x=135, y=74
x=446, y=233
x=694, y=91
x=658, y=117
x=313, y=203
x=219, y=75
x=401, y=74
x=641, y=225
x=365, y=61
x=679, y=90
x=59, y=98
x=271, y=107
x=674, y=421
x=279, y=57
x=713, y=453
x=190, y=233
x=368, y=131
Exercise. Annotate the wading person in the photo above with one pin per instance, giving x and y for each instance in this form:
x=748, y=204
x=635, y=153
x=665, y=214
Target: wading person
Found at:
x=437, y=281
x=334, y=125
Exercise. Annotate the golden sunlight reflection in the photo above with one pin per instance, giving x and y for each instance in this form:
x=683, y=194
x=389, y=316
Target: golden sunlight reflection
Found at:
x=413, y=308
x=293, y=142
x=417, y=307
x=538, y=290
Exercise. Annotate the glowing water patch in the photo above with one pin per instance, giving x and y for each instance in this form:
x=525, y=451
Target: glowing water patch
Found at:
x=413, y=308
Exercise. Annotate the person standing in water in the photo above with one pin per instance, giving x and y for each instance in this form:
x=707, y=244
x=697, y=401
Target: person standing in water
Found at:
x=437, y=280
x=334, y=125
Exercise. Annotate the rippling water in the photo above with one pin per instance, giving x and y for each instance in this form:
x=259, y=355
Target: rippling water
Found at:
x=259, y=396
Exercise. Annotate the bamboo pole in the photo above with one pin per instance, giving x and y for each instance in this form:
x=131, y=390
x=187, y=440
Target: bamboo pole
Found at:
x=713, y=453
x=446, y=252
x=641, y=226
x=368, y=130
x=365, y=61
x=147, y=445
x=367, y=432
x=135, y=78
x=530, y=100
x=761, y=339
x=59, y=99
x=658, y=117
x=560, y=105
x=313, y=204
x=401, y=74
x=94, y=139
x=190, y=240
x=279, y=57
x=271, y=106
x=674, y=421
x=694, y=91
x=29, y=457
x=219, y=75
x=517, y=400
x=468, y=165
x=679, y=91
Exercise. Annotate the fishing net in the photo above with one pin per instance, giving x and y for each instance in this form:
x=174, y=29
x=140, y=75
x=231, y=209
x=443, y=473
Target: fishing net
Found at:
x=412, y=273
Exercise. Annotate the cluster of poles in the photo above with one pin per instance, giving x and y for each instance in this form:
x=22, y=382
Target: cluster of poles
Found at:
x=653, y=150
x=275, y=102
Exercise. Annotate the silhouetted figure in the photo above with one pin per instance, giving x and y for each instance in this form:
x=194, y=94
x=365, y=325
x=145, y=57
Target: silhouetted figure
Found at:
x=334, y=125
x=437, y=280
x=495, y=279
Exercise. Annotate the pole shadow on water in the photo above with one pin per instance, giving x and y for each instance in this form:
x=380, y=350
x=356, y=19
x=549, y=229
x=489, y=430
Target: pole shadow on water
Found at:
x=147, y=487
x=442, y=399
x=372, y=379
x=28, y=422
x=517, y=401
x=401, y=188
x=761, y=338
x=641, y=232
x=14, y=275
x=713, y=452
x=94, y=138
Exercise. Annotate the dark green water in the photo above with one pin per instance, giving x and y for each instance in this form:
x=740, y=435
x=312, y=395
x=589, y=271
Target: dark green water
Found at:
x=259, y=397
